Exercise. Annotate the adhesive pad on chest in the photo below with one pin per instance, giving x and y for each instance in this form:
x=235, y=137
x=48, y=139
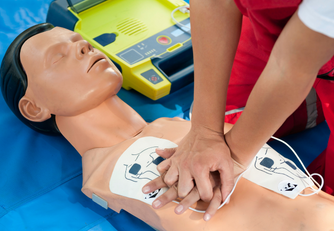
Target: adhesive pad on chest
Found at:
x=271, y=170
x=136, y=167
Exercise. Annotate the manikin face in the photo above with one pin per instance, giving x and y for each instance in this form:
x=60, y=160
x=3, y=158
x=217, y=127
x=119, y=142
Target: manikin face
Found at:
x=66, y=74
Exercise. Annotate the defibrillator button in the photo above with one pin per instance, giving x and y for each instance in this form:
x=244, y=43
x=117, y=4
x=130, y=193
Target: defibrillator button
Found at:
x=163, y=40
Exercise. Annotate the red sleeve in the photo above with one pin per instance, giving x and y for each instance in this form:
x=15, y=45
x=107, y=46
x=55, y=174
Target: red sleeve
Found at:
x=267, y=20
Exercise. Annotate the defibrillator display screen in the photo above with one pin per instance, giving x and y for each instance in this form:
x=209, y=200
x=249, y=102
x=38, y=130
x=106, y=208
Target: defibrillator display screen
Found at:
x=81, y=5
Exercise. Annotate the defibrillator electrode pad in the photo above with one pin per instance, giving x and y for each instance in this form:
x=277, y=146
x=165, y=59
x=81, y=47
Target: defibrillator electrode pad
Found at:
x=272, y=171
x=136, y=167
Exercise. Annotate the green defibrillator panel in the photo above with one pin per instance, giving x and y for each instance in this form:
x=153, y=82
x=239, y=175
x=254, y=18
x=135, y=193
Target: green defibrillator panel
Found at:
x=139, y=36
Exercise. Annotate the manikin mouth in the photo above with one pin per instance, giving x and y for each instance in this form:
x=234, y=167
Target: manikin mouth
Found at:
x=94, y=64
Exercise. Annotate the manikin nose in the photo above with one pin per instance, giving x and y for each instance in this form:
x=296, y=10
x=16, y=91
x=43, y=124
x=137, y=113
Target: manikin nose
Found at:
x=83, y=48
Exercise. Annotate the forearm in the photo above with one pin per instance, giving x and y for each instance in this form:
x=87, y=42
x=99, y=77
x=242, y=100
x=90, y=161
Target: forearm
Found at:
x=215, y=32
x=270, y=103
x=216, y=29
x=288, y=77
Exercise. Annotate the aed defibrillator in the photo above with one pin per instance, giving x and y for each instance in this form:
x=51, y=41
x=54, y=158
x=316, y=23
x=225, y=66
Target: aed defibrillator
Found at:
x=142, y=38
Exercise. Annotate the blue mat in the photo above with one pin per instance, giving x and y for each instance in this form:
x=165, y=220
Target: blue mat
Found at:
x=40, y=176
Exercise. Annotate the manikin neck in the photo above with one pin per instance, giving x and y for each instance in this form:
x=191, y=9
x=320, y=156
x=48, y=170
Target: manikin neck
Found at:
x=108, y=124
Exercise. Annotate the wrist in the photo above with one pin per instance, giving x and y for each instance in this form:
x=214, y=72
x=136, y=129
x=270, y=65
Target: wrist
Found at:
x=239, y=153
x=207, y=129
x=213, y=122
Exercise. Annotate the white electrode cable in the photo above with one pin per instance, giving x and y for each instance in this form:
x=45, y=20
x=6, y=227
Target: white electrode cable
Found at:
x=315, y=191
x=183, y=9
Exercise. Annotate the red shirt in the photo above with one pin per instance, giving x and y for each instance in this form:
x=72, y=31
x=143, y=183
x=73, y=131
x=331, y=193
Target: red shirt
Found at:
x=267, y=19
x=264, y=21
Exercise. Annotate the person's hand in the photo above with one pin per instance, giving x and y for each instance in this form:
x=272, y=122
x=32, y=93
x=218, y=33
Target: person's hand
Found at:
x=200, y=152
x=171, y=194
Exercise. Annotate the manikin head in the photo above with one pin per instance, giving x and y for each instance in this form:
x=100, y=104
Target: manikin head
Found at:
x=55, y=72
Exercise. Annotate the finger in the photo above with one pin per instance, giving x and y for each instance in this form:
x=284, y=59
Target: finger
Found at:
x=171, y=176
x=204, y=187
x=165, y=152
x=188, y=201
x=153, y=185
x=227, y=181
x=186, y=183
x=214, y=204
x=168, y=196
x=164, y=166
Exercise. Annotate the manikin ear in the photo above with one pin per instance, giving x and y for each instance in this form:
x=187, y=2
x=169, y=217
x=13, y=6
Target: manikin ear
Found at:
x=32, y=112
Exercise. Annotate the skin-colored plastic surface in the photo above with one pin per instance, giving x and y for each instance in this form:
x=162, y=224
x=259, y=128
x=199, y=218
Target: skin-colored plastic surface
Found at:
x=77, y=83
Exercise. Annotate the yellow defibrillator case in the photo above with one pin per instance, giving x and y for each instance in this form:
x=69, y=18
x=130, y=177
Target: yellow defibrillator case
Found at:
x=139, y=36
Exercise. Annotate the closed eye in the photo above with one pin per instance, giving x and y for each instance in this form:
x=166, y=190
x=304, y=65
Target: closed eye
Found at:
x=56, y=58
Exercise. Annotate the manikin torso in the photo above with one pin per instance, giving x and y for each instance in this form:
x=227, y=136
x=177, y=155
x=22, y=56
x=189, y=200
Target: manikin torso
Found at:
x=101, y=140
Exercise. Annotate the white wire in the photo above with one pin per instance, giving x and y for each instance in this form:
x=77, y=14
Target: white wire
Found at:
x=314, y=191
x=235, y=185
x=310, y=175
x=177, y=22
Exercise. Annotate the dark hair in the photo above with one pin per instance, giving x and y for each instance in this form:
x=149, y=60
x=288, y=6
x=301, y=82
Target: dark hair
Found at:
x=13, y=80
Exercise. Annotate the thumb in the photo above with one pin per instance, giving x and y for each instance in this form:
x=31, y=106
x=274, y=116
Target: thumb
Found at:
x=165, y=152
